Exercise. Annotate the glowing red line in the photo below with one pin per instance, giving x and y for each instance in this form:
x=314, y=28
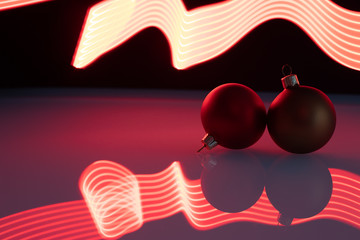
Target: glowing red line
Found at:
x=83, y=233
x=166, y=193
x=37, y=222
x=73, y=223
x=51, y=224
x=9, y=4
x=87, y=232
x=204, y=33
x=350, y=203
x=46, y=220
x=18, y=218
x=42, y=223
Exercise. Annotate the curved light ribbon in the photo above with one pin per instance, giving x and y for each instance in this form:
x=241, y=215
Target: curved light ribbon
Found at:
x=206, y=32
x=9, y=4
x=121, y=202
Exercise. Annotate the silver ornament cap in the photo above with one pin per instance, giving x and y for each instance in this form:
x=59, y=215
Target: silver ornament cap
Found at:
x=290, y=81
x=209, y=142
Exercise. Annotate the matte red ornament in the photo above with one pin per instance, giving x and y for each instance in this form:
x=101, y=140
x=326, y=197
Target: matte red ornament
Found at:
x=233, y=116
x=301, y=119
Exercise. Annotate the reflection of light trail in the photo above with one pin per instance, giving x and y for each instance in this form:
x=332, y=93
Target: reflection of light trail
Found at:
x=69, y=220
x=120, y=202
x=8, y=4
x=203, y=33
x=344, y=205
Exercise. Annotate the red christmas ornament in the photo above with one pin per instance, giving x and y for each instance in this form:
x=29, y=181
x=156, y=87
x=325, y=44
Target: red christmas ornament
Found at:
x=233, y=116
x=301, y=119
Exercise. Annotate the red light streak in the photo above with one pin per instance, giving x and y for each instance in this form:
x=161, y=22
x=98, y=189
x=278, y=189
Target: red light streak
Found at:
x=204, y=33
x=70, y=218
x=120, y=202
x=9, y=4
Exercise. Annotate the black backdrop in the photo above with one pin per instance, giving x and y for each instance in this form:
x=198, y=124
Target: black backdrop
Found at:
x=37, y=44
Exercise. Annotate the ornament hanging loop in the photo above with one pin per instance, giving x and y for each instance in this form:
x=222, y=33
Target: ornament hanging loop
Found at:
x=289, y=80
x=286, y=70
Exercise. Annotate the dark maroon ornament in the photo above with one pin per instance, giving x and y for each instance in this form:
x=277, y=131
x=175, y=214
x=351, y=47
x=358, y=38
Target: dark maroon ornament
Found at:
x=298, y=186
x=301, y=119
x=233, y=116
x=232, y=181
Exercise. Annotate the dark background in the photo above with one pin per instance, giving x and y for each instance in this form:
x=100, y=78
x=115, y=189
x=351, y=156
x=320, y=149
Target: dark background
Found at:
x=37, y=44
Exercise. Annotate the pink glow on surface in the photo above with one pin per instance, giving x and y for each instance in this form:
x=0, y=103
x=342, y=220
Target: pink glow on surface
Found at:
x=120, y=202
x=204, y=33
x=9, y=4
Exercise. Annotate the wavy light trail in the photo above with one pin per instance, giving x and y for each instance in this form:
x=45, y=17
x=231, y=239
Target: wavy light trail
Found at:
x=120, y=202
x=9, y=4
x=206, y=32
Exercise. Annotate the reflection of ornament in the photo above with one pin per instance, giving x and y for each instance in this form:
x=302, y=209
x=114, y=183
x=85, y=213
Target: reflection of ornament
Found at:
x=232, y=183
x=233, y=116
x=301, y=119
x=299, y=187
